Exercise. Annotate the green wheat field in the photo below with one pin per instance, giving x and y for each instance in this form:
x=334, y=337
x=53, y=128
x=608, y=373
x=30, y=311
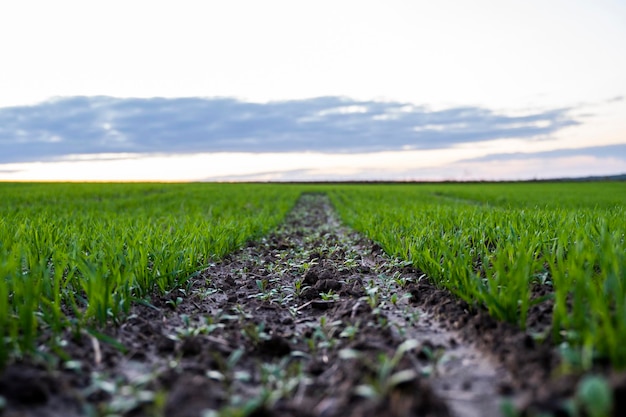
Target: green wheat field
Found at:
x=79, y=255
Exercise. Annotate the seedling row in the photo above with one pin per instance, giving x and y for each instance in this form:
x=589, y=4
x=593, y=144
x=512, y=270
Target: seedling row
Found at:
x=509, y=247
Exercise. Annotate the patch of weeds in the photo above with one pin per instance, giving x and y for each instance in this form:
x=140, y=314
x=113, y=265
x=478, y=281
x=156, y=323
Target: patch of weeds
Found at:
x=227, y=372
x=373, y=295
x=204, y=325
x=385, y=375
x=411, y=315
x=349, y=264
x=282, y=295
x=575, y=358
x=281, y=380
x=594, y=396
x=299, y=287
x=277, y=381
x=542, y=278
x=323, y=334
x=394, y=298
x=262, y=285
x=350, y=332
x=255, y=333
x=329, y=296
x=241, y=313
x=125, y=396
x=401, y=281
x=434, y=356
x=205, y=292
x=305, y=266
x=382, y=321
x=174, y=303
x=293, y=311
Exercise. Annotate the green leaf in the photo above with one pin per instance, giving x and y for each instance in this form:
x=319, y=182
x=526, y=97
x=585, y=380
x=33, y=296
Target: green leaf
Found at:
x=595, y=395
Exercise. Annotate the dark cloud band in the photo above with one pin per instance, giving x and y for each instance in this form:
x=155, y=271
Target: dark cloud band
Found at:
x=86, y=125
x=601, y=152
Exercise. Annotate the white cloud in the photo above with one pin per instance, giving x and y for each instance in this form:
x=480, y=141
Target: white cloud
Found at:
x=355, y=109
x=453, y=126
x=188, y=125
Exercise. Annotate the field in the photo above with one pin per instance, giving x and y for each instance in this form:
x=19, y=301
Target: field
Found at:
x=320, y=300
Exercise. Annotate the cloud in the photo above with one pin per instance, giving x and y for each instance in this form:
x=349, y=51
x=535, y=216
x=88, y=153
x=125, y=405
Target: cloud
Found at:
x=92, y=125
x=601, y=152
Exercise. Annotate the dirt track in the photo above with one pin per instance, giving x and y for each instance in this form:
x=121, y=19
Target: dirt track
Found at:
x=313, y=320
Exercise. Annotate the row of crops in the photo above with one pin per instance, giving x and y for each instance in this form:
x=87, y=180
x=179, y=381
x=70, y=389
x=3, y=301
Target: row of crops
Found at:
x=73, y=255
x=79, y=255
x=492, y=244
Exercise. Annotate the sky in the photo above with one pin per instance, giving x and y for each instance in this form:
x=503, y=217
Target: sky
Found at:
x=312, y=90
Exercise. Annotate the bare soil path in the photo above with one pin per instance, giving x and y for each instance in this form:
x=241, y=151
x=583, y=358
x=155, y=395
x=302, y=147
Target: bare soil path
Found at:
x=313, y=320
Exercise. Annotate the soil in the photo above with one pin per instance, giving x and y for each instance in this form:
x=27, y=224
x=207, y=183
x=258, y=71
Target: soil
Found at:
x=313, y=320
